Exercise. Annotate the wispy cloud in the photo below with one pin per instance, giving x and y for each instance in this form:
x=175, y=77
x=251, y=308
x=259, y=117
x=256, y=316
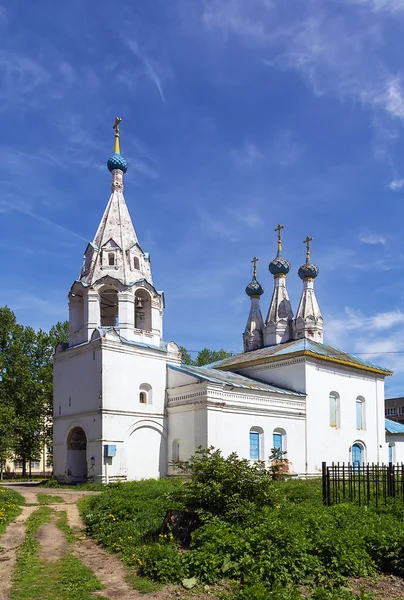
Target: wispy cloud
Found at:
x=149, y=68
x=373, y=238
x=21, y=207
x=22, y=80
x=396, y=185
x=248, y=156
x=283, y=150
x=232, y=225
x=380, y=336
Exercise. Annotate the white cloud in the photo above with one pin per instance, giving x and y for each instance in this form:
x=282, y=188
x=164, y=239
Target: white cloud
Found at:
x=378, y=337
x=248, y=156
x=338, y=54
x=386, y=5
x=396, y=185
x=373, y=238
x=150, y=69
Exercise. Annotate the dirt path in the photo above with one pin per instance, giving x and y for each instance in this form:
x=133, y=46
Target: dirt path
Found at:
x=109, y=569
x=9, y=543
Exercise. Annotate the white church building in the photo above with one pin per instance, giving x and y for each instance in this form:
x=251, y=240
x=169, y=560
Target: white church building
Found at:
x=125, y=406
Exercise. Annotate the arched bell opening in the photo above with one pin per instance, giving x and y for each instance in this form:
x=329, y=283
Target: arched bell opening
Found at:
x=143, y=310
x=109, y=307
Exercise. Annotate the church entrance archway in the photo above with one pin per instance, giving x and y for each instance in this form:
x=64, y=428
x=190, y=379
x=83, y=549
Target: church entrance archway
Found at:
x=146, y=454
x=77, y=455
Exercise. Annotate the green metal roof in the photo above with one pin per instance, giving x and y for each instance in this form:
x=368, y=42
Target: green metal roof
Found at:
x=231, y=379
x=296, y=347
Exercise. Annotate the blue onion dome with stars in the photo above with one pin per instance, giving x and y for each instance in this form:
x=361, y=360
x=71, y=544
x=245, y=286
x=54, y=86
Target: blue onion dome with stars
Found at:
x=308, y=270
x=117, y=161
x=279, y=265
x=254, y=288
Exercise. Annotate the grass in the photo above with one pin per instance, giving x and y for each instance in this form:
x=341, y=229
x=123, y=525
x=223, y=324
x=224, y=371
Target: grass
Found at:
x=142, y=584
x=44, y=499
x=36, y=579
x=62, y=524
x=83, y=487
x=10, y=506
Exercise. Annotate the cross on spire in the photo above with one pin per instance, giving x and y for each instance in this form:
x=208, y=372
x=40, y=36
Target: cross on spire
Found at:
x=116, y=127
x=279, y=230
x=307, y=242
x=254, y=260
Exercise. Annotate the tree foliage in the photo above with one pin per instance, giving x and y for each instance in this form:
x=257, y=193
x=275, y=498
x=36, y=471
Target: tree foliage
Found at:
x=26, y=387
x=204, y=356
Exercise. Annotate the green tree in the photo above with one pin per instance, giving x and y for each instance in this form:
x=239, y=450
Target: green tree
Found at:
x=207, y=356
x=204, y=356
x=8, y=332
x=26, y=387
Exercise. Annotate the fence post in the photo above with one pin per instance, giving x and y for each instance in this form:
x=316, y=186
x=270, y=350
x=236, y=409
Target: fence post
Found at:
x=324, y=481
x=391, y=482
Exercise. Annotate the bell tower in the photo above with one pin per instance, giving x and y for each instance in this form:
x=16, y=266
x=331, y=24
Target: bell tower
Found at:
x=115, y=286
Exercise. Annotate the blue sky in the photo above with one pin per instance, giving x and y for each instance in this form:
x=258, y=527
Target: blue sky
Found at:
x=237, y=115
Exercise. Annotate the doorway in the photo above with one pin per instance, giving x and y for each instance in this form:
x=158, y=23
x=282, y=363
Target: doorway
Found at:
x=77, y=455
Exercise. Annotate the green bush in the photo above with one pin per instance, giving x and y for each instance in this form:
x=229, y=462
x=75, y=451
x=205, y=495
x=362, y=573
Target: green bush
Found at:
x=225, y=486
x=269, y=537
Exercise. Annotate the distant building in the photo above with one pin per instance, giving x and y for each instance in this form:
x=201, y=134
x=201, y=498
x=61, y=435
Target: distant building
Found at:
x=125, y=406
x=394, y=409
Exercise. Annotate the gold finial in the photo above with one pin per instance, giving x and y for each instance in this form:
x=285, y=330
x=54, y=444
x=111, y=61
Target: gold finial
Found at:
x=279, y=230
x=307, y=242
x=254, y=260
x=116, y=127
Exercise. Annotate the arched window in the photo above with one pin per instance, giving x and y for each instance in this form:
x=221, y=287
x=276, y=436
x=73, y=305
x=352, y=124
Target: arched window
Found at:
x=109, y=308
x=334, y=409
x=136, y=263
x=111, y=259
x=360, y=412
x=145, y=393
x=176, y=450
x=256, y=443
x=143, y=310
x=279, y=439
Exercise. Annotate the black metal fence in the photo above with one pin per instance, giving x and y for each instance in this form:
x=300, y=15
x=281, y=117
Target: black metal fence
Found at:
x=363, y=484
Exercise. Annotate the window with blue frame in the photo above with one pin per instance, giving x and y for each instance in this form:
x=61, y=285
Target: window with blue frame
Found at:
x=277, y=441
x=333, y=406
x=254, y=445
x=360, y=413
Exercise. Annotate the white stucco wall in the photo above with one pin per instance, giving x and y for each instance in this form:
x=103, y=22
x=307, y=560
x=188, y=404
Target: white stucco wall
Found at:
x=202, y=414
x=397, y=442
x=333, y=444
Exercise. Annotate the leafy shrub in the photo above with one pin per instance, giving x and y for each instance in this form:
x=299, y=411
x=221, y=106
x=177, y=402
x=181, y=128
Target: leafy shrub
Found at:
x=270, y=537
x=225, y=486
x=162, y=563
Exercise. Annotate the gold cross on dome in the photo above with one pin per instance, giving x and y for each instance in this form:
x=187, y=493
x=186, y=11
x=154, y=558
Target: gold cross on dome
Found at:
x=279, y=230
x=116, y=125
x=254, y=260
x=307, y=242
